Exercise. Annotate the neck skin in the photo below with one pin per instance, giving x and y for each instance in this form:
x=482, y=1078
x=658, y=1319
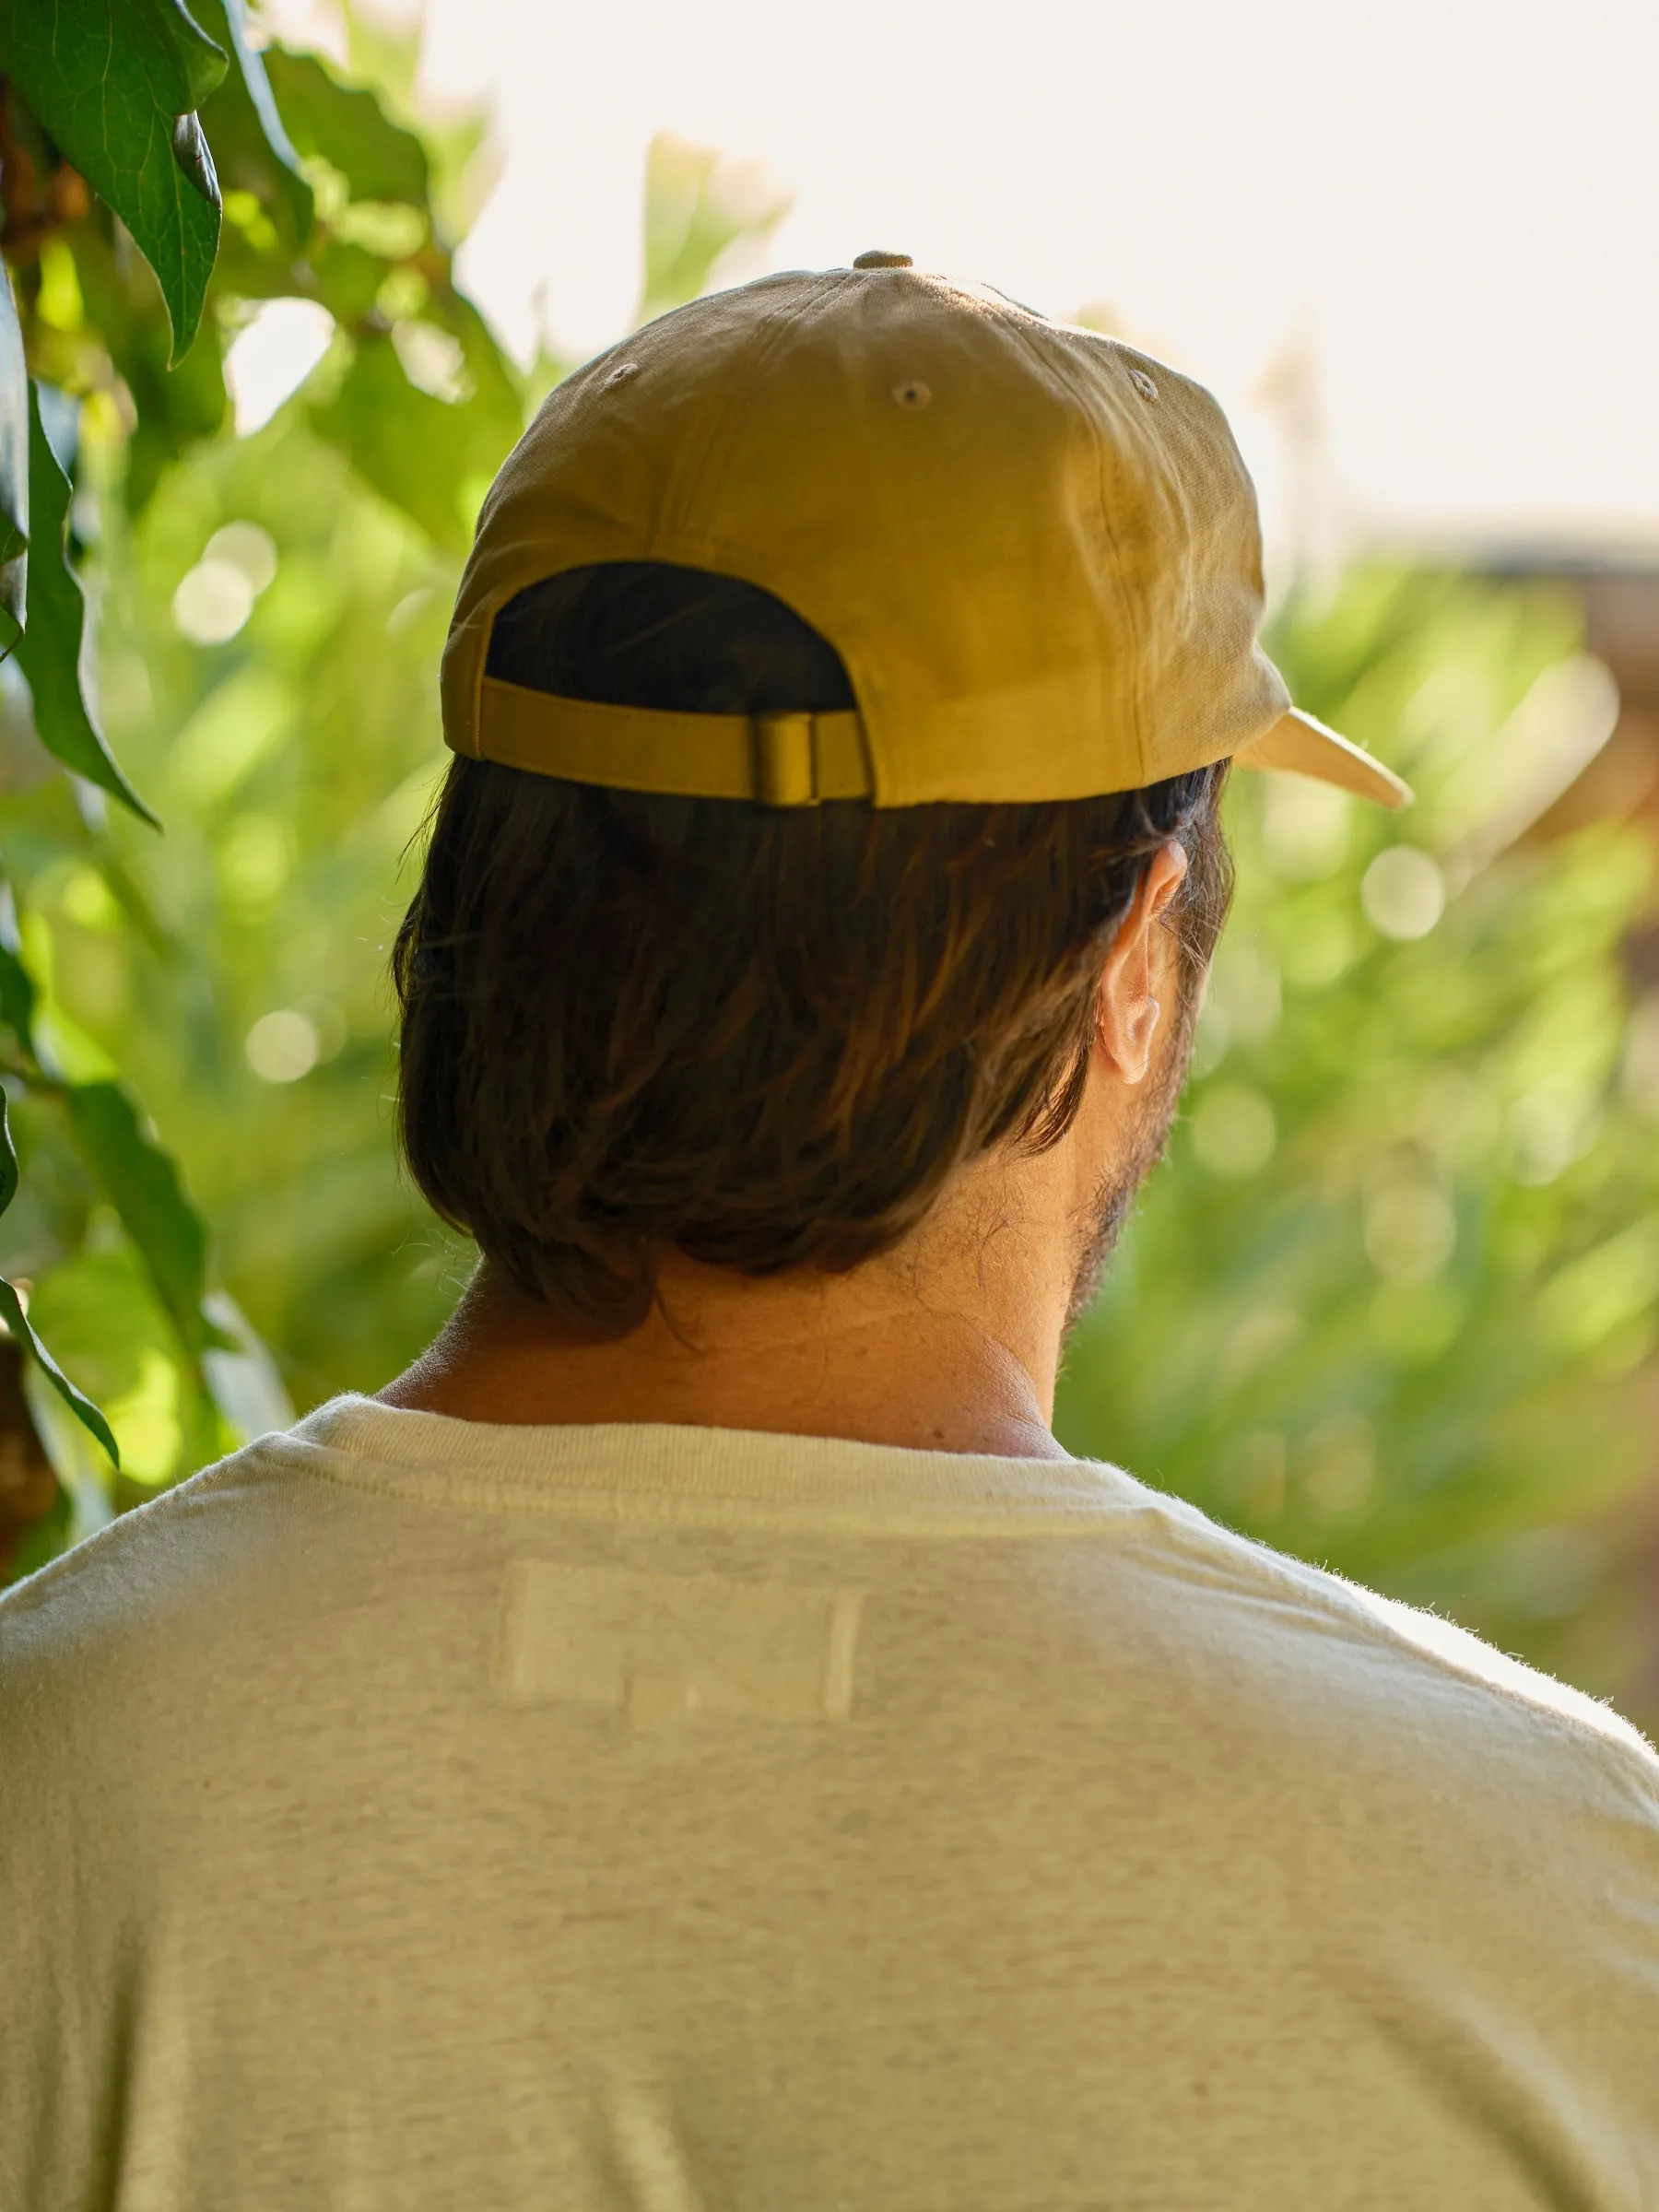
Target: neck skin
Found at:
x=950, y=1342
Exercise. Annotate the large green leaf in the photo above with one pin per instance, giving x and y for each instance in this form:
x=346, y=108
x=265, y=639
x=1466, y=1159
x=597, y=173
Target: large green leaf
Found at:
x=349, y=128
x=49, y=653
x=142, y=1182
x=116, y=84
x=11, y=1312
x=14, y=468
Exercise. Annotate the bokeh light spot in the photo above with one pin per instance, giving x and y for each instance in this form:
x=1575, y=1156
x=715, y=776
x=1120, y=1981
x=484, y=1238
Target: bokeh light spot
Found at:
x=1402, y=892
x=248, y=546
x=1233, y=1130
x=1550, y=1127
x=281, y=1047
x=212, y=603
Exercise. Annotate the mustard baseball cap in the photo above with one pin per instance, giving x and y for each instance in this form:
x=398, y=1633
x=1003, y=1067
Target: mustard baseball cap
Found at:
x=1035, y=549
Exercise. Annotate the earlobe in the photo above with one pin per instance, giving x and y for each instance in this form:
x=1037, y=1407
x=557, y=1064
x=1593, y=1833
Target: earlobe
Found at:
x=1123, y=1034
x=1142, y=1028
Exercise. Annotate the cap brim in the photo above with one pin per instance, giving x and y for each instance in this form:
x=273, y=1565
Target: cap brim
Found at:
x=1297, y=745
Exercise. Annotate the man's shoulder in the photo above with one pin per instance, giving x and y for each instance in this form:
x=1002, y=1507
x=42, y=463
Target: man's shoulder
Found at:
x=148, y=1579
x=1324, y=1653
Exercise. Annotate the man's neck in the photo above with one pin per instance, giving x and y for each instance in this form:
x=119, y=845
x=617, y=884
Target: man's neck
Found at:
x=912, y=1350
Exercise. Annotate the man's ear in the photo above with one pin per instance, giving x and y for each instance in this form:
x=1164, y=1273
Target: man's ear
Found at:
x=1126, y=1011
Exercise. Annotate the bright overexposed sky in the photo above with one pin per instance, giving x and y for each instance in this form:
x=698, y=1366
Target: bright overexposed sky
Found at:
x=1443, y=214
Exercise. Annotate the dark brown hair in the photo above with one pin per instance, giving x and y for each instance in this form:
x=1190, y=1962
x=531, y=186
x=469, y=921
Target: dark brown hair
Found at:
x=764, y=1036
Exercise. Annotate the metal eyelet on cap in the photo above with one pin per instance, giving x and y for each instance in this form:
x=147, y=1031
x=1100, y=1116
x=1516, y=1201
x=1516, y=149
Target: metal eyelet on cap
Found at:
x=1143, y=383
x=911, y=396
x=621, y=374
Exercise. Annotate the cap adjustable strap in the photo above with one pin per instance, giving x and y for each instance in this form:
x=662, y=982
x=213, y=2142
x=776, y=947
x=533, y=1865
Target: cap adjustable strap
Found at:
x=780, y=759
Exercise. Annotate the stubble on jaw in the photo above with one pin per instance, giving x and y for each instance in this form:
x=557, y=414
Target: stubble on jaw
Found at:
x=1114, y=1200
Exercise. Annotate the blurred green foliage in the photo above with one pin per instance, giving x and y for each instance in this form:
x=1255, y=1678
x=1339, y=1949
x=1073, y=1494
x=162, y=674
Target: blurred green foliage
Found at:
x=292, y=762
x=162, y=179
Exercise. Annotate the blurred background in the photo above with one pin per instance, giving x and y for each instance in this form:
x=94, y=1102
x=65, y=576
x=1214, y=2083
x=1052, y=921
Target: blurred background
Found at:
x=1394, y=1302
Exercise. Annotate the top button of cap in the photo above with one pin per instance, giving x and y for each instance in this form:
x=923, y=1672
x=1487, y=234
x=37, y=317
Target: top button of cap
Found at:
x=876, y=259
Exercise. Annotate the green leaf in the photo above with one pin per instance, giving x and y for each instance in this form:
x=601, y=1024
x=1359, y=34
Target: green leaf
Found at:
x=12, y=1314
x=432, y=458
x=201, y=64
x=175, y=407
x=17, y=985
x=11, y=1174
x=116, y=86
x=349, y=279
x=251, y=149
x=107, y=1330
x=14, y=468
x=142, y=1183
x=348, y=129
x=49, y=654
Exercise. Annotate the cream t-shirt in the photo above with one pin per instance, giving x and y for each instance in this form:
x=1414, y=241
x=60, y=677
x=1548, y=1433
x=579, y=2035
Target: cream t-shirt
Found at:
x=408, y=1813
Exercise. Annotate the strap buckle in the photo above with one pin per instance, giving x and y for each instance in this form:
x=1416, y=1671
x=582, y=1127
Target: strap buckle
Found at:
x=785, y=759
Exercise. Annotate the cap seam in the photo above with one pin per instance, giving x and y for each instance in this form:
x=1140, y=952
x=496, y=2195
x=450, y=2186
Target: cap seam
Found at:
x=681, y=493
x=1061, y=369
